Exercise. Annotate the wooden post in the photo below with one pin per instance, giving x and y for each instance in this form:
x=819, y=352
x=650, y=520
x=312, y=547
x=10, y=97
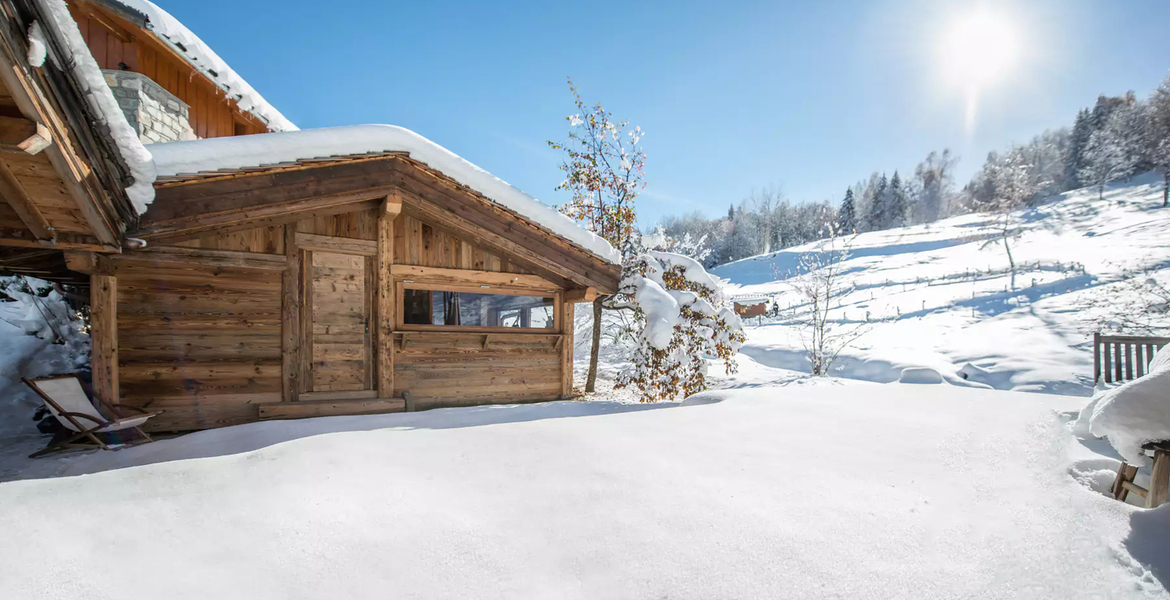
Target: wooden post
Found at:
x=1096, y=358
x=391, y=208
x=567, y=309
x=290, y=317
x=103, y=324
x=1159, y=479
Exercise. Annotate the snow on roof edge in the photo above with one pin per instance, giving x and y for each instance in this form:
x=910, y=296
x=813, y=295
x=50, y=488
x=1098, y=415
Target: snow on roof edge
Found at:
x=202, y=58
x=215, y=154
x=85, y=72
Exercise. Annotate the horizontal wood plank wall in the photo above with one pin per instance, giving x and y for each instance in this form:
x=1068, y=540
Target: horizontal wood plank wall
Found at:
x=265, y=240
x=115, y=42
x=201, y=343
x=455, y=369
x=417, y=243
x=360, y=225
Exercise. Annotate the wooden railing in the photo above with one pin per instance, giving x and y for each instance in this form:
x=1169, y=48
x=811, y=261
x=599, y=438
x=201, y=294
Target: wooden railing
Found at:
x=1122, y=358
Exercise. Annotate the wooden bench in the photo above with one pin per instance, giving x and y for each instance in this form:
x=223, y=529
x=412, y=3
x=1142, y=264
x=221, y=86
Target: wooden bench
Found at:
x=1121, y=358
x=1156, y=495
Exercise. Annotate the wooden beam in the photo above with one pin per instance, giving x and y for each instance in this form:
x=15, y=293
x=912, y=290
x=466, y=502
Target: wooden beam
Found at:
x=392, y=206
x=77, y=177
x=587, y=294
x=324, y=408
x=25, y=207
x=387, y=304
x=103, y=323
x=1159, y=479
x=290, y=317
x=24, y=238
x=23, y=136
x=444, y=276
x=566, y=349
x=311, y=241
x=151, y=227
x=82, y=262
x=154, y=255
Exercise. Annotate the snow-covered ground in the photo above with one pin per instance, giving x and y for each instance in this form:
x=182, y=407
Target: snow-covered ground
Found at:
x=938, y=299
x=827, y=490
x=773, y=485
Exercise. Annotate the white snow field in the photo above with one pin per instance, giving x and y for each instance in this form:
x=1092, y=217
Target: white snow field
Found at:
x=938, y=300
x=827, y=490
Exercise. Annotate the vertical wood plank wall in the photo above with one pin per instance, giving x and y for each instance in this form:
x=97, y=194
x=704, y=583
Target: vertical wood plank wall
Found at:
x=208, y=344
x=116, y=44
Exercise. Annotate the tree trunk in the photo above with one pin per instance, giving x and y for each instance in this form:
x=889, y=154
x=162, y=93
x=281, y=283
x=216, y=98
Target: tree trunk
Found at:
x=1166, y=188
x=1011, y=261
x=594, y=347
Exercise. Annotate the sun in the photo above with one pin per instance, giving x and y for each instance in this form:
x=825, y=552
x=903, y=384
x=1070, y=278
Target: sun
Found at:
x=979, y=49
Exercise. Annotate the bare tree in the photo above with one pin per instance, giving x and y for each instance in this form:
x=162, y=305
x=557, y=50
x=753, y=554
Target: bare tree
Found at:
x=822, y=287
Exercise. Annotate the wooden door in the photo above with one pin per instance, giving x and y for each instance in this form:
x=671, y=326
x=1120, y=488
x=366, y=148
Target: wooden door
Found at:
x=339, y=309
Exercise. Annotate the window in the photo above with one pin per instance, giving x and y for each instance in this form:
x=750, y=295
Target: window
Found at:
x=470, y=309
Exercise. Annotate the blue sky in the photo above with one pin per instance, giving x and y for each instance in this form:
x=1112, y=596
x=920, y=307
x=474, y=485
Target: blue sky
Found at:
x=734, y=96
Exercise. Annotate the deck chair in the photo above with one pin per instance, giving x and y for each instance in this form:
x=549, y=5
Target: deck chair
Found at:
x=82, y=421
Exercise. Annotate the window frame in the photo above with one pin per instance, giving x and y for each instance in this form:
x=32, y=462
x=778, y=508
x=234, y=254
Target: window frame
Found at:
x=400, y=294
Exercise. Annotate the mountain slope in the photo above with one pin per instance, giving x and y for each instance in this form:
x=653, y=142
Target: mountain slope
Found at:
x=939, y=295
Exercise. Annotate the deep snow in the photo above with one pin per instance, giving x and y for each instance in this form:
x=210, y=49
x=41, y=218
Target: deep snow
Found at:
x=825, y=490
x=936, y=299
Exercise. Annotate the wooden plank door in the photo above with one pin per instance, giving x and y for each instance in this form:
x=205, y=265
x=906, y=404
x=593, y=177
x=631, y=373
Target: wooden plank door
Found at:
x=338, y=310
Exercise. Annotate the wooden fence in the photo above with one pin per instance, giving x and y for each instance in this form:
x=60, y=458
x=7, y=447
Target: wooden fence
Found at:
x=1122, y=358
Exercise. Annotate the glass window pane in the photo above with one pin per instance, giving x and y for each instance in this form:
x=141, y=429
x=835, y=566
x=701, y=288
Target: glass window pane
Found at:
x=435, y=307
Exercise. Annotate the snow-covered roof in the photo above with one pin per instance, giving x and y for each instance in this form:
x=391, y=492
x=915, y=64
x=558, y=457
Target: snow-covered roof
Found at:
x=188, y=45
x=217, y=154
x=81, y=66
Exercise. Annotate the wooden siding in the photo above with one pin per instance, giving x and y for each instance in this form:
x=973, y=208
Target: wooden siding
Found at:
x=117, y=44
x=417, y=243
x=266, y=240
x=232, y=327
x=202, y=343
x=455, y=369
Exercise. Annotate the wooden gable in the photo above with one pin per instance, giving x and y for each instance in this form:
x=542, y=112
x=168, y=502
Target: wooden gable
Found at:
x=442, y=224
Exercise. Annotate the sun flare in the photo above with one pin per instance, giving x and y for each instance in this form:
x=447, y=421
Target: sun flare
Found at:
x=979, y=49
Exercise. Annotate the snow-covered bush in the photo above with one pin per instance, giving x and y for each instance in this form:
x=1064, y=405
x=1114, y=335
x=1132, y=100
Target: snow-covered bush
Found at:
x=684, y=321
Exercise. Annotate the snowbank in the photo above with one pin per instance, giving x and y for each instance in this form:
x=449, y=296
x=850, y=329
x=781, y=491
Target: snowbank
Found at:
x=920, y=375
x=196, y=156
x=1136, y=412
x=206, y=61
x=84, y=70
x=533, y=501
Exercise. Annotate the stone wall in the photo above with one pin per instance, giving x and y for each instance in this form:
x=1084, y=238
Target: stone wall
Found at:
x=156, y=114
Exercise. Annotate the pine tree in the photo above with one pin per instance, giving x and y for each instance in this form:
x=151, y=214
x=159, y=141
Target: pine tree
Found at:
x=875, y=219
x=847, y=216
x=1075, y=161
x=897, y=207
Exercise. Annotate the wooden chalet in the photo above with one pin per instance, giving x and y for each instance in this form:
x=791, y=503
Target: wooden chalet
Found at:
x=329, y=283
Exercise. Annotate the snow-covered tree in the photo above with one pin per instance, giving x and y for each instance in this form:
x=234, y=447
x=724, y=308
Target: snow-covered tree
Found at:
x=685, y=321
x=933, y=182
x=659, y=239
x=876, y=217
x=1159, y=142
x=847, y=215
x=1012, y=190
x=1104, y=160
x=896, y=206
x=1074, y=159
x=603, y=166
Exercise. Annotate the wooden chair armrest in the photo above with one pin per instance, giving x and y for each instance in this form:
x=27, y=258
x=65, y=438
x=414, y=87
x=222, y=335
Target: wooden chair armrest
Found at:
x=118, y=407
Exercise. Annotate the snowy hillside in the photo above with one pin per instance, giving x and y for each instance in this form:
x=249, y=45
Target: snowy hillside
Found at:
x=937, y=298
